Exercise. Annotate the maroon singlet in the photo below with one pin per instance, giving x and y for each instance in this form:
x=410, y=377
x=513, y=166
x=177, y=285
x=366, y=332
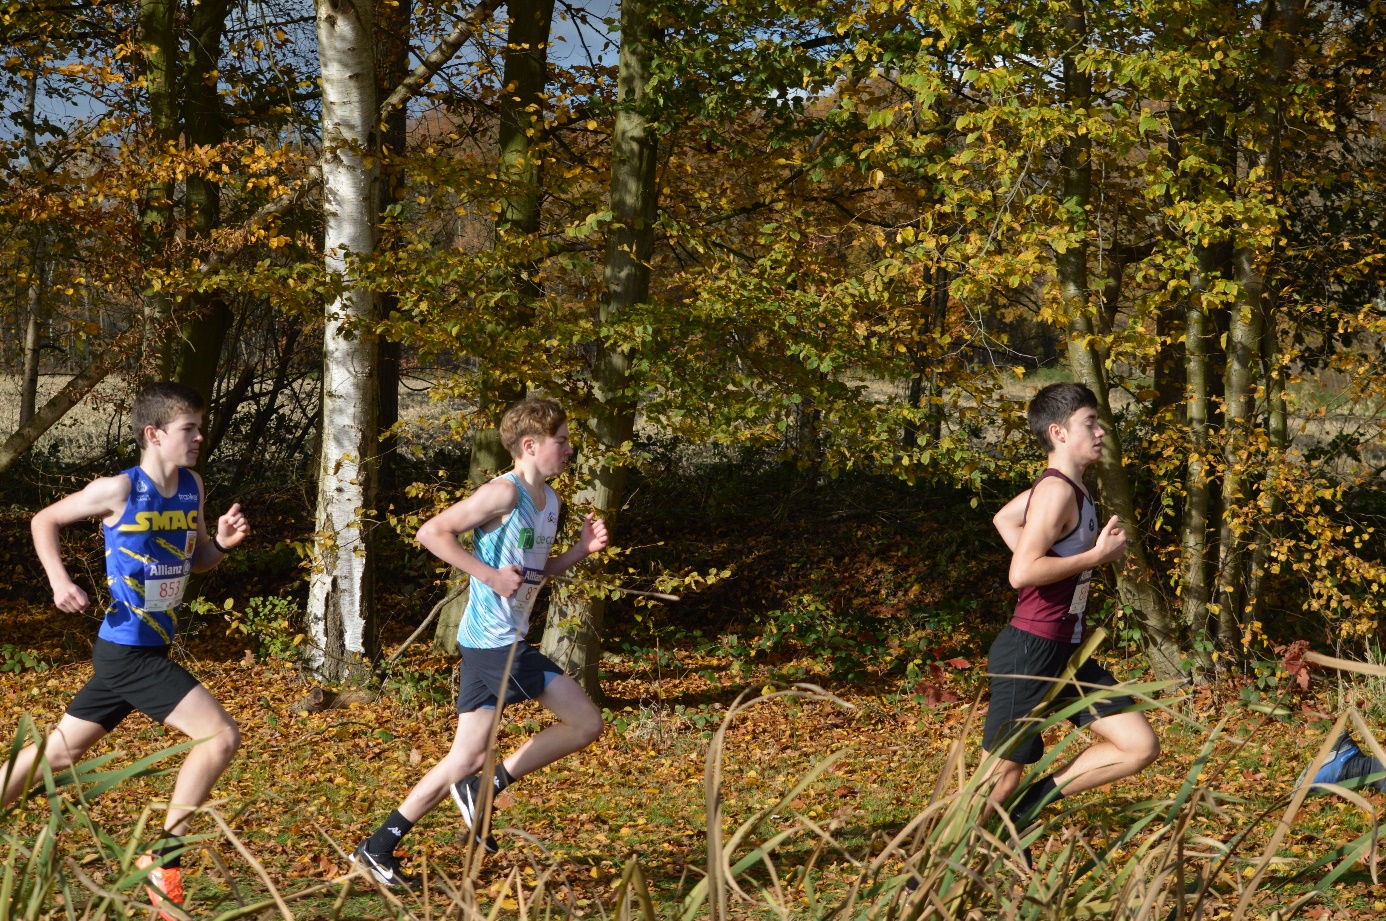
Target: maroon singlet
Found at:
x=1055, y=611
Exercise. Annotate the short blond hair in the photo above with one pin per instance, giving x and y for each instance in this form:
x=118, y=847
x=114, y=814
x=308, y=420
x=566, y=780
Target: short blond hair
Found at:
x=532, y=417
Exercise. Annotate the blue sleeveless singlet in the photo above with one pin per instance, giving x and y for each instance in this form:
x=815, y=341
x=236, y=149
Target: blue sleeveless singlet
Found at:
x=149, y=556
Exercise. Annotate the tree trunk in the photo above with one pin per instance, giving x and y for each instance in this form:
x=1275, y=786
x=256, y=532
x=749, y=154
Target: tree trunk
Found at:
x=1193, y=539
x=573, y=637
x=341, y=607
x=1135, y=581
x=923, y=391
x=1243, y=341
x=160, y=49
x=525, y=77
x=1278, y=439
x=521, y=156
x=1244, y=336
x=392, y=65
x=33, y=327
x=33, y=345
x=204, y=332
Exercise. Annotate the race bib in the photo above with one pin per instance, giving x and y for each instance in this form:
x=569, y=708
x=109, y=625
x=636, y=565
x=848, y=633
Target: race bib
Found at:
x=164, y=584
x=1080, y=593
x=523, y=601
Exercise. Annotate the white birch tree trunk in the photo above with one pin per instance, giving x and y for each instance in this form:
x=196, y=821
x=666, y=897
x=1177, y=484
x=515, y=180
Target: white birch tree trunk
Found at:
x=341, y=602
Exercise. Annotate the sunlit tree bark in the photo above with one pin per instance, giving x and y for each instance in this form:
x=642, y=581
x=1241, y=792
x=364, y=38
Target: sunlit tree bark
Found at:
x=341, y=604
x=33, y=323
x=1195, y=590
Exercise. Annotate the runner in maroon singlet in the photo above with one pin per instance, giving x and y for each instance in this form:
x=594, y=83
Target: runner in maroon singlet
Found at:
x=1056, y=542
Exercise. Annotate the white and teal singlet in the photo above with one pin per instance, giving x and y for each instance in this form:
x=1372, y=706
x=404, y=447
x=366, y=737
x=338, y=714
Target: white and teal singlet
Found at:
x=523, y=539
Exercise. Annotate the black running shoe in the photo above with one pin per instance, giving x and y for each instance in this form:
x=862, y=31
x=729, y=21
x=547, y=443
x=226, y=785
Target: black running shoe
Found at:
x=464, y=794
x=384, y=868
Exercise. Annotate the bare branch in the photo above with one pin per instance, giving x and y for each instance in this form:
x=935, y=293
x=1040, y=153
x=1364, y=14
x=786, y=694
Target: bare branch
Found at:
x=448, y=47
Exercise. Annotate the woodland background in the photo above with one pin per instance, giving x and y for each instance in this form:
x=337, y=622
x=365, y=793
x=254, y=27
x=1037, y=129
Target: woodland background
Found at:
x=793, y=268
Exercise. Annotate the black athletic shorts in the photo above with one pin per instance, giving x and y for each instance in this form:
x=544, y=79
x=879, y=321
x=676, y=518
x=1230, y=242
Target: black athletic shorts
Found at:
x=1018, y=652
x=129, y=678
x=479, y=676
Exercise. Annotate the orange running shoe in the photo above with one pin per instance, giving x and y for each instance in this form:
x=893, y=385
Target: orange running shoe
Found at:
x=163, y=884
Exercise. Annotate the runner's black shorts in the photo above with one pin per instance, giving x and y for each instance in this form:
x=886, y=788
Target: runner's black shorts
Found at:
x=1019, y=652
x=129, y=678
x=482, y=670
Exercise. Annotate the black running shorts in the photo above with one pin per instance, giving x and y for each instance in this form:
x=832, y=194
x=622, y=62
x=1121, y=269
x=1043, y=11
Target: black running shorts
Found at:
x=480, y=674
x=129, y=678
x=1018, y=652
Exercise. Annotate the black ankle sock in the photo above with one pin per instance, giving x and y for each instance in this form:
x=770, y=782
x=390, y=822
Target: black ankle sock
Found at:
x=387, y=837
x=1041, y=793
x=503, y=778
x=163, y=851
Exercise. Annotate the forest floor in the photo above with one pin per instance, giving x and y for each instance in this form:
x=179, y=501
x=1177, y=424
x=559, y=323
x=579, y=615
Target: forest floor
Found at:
x=306, y=787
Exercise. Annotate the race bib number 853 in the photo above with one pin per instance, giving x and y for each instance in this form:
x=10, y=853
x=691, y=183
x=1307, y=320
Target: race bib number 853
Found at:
x=163, y=585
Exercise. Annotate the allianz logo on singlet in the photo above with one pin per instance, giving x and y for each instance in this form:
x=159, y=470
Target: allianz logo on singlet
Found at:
x=164, y=570
x=176, y=520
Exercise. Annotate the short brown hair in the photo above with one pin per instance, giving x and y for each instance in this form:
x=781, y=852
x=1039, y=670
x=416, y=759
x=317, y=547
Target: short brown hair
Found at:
x=1053, y=405
x=157, y=404
x=532, y=417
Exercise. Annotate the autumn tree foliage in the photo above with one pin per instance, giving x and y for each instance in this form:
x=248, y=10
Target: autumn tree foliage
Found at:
x=838, y=232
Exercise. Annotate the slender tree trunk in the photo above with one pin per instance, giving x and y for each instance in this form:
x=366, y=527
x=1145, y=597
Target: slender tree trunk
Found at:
x=1135, y=581
x=521, y=155
x=33, y=326
x=923, y=390
x=626, y=272
x=1193, y=539
x=33, y=345
x=1243, y=342
x=204, y=332
x=1246, y=328
x=1278, y=438
x=156, y=18
x=522, y=106
x=341, y=606
x=392, y=64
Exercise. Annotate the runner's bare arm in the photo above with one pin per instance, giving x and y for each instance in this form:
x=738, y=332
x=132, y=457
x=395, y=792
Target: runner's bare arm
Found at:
x=101, y=498
x=1052, y=514
x=593, y=540
x=488, y=505
x=1010, y=521
x=232, y=528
